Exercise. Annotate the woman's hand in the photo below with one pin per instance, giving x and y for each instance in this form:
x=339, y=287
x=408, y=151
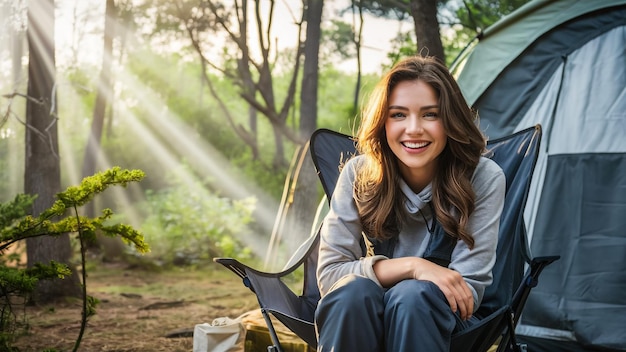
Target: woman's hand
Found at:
x=451, y=283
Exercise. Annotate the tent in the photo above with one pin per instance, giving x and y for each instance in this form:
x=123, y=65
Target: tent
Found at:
x=562, y=64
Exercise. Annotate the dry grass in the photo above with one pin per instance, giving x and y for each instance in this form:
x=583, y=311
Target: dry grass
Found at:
x=138, y=309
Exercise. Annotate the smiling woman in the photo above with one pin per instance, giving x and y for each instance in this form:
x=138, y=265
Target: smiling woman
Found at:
x=429, y=207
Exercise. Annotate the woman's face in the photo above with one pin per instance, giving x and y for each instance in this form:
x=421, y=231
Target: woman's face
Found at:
x=415, y=131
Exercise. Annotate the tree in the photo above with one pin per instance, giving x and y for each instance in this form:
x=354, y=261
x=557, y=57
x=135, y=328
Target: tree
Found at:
x=305, y=197
x=42, y=170
x=211, y=18
x=202, y=23
x=263, y=98
x=467, y=18
x=424, y=15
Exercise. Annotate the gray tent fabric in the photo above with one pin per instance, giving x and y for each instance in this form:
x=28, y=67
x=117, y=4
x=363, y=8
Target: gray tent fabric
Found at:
x=545, y=58
x=569, y=75
x=584, y=291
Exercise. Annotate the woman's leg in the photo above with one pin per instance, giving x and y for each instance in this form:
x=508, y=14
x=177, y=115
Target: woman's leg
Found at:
x=350, y=316
x=417, y=318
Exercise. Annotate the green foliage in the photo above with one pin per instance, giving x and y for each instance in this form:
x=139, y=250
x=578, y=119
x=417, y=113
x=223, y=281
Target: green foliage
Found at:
x=480, y=14
x=336, y=99
x=339, y=41
x=62, y=217
x=403, y=45
x=389, y=9
x=15, y=209
x=189, y=224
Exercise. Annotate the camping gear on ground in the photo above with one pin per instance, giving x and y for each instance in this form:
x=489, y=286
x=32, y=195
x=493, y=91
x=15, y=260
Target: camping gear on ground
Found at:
x=503, y=300
x=224, y=334
x=562, y=64
x=247, y=332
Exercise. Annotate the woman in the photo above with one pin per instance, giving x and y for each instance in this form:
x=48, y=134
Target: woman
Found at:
x=409, y=242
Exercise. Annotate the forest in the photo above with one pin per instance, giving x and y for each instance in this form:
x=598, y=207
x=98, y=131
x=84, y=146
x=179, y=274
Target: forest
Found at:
x=159, y=134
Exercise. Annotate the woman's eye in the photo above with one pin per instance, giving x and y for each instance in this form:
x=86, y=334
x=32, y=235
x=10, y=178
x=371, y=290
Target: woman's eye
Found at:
x=396, y=115
x=431, y=115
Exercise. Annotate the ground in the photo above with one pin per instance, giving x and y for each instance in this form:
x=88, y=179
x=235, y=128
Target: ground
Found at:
x=138, y=309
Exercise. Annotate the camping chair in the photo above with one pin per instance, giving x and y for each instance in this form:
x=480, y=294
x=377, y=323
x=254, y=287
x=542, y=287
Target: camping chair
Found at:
x=503, y=300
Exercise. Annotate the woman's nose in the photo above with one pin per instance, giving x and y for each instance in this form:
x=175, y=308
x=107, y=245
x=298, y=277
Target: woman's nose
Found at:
x=414, y=125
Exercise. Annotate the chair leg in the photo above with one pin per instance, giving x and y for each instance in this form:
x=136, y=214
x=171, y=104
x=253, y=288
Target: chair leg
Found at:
x=276, y=343
x=514, y=345
x=508, y=342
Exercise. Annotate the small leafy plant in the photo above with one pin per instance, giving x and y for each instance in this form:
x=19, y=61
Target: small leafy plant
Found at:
x=61, y=218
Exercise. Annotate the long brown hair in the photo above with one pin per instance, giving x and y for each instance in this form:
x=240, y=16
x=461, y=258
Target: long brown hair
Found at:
x=378, y=195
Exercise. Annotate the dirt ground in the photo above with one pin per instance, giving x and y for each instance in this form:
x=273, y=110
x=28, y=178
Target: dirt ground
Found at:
x=138, y=309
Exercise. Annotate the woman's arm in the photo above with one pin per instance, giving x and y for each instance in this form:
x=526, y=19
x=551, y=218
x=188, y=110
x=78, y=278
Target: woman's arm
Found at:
x=451, y=283
x=340, y=250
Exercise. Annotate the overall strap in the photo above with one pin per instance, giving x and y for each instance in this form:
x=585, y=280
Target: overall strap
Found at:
x=440, y=246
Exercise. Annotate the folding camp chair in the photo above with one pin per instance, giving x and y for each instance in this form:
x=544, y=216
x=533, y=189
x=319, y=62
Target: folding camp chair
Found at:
x=503, y=300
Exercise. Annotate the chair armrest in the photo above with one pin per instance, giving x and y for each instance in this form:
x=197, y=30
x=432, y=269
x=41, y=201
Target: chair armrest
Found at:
x=241, y=269
x=271, y=292
x=536, y=267
x=531, y=279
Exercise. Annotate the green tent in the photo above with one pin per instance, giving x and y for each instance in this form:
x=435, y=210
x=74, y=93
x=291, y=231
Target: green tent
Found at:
x=562, y=64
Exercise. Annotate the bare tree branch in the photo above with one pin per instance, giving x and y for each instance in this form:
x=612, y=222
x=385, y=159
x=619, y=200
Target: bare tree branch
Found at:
x=44, y=137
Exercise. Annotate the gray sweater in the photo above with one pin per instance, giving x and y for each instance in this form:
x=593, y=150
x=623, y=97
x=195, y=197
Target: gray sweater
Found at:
x=340, y=250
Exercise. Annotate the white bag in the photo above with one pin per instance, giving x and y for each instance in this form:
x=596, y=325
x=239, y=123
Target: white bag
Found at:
x=222, y=335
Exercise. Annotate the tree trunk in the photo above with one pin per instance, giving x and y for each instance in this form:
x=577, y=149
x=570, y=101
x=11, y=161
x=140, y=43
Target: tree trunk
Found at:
x=310, y=70
x=306, y=184
x=42, y=169
x=424, y=14
x=357, y=43
x=243, y=66
x=279, y=154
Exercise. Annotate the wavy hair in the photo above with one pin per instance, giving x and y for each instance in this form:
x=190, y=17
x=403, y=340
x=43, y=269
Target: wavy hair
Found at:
x=378, y=195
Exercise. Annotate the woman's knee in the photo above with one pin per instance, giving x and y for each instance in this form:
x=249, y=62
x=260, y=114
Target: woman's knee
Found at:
x=415, y=292
x=352, y=292
x=350, y=316
x=419, y=304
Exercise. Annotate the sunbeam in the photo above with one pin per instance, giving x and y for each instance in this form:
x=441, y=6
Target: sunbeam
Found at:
x=188, y=145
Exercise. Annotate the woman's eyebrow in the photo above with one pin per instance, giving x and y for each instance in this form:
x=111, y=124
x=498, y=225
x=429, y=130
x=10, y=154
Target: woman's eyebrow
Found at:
x=427, y=107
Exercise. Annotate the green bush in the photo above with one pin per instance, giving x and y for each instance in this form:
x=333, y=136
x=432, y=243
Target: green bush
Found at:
x=187, y=224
